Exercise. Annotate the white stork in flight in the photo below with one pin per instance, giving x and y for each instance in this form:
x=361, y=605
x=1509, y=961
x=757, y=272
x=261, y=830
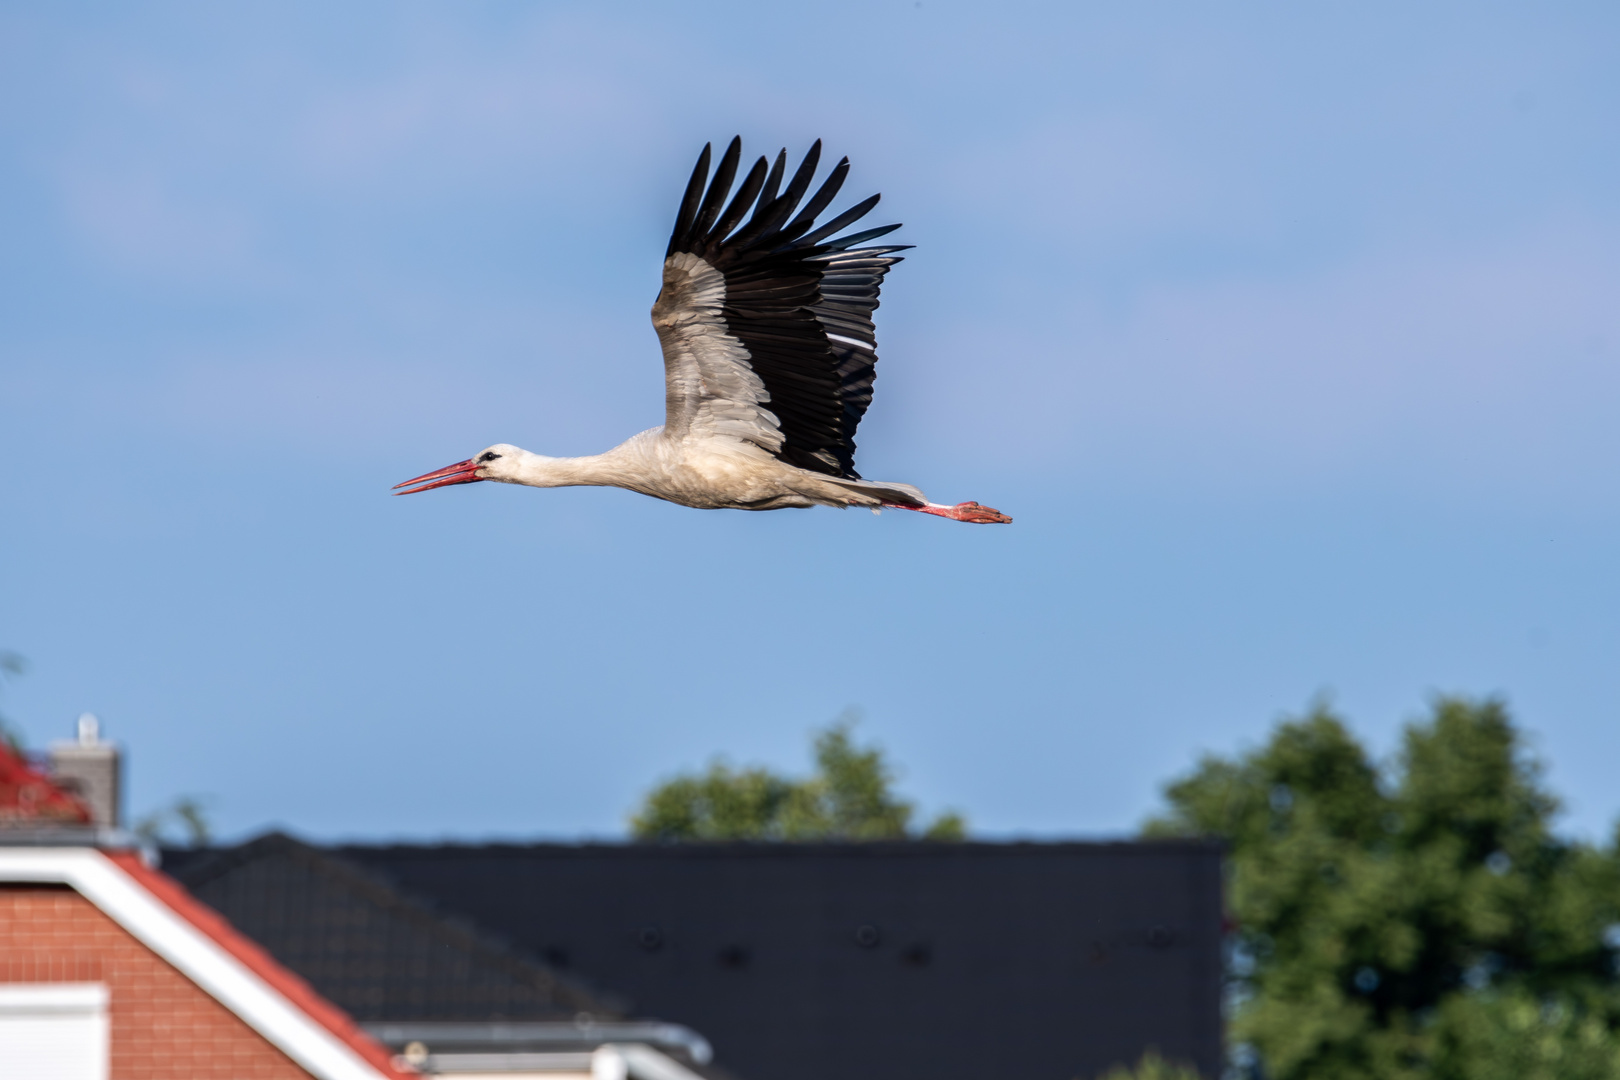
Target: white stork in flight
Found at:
x=769, y=355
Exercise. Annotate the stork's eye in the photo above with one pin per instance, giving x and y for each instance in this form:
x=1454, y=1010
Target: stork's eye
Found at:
x=489, y=457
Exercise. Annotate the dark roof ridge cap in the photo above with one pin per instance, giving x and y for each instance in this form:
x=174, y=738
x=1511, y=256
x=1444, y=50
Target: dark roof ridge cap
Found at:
x=215, y=861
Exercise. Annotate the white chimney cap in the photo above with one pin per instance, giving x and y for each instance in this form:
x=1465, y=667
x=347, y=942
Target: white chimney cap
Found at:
x=89, y=729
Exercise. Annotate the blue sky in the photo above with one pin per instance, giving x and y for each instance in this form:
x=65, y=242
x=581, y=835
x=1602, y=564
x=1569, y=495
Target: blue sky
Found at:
x=1289, y=337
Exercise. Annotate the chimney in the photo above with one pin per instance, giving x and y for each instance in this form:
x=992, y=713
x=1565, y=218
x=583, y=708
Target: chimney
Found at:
x=91, y=770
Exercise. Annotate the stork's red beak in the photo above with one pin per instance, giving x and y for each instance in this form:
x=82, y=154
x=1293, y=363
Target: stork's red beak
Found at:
x=462, y=472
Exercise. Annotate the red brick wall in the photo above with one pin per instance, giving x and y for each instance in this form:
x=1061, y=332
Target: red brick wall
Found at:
x=164, y=1027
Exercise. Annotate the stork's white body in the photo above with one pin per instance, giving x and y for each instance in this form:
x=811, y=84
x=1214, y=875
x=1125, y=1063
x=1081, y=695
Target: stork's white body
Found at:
x=769, y=357
x=707, y=473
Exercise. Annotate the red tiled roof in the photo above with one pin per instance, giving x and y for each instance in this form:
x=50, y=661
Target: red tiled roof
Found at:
x=28, y=795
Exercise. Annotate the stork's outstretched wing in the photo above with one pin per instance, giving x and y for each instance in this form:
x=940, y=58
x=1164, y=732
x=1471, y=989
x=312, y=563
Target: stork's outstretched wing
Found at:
x=766, y=324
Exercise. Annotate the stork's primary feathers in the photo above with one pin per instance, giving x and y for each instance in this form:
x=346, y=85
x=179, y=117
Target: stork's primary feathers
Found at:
x=769, y=354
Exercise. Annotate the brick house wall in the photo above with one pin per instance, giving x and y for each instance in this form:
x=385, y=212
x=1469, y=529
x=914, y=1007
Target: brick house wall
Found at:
x=163, y=1026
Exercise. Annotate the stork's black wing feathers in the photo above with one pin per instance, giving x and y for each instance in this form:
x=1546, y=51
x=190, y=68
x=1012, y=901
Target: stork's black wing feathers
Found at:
x=689, y=203
x=818, y=202
x=847, y=218
x=744, y=200
x=799, y=303
x=773, y=182
x=723, y=175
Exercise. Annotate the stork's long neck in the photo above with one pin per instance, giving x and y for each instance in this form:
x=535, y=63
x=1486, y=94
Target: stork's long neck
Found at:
x=537, y=470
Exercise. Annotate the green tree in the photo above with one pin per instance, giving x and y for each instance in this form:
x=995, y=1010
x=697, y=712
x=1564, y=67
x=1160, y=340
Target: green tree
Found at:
x=1419, y=920
x=1152, y=1067
x=182, y=823
x=848, y=797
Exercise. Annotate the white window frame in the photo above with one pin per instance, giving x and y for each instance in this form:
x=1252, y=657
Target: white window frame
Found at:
x=86, y=1053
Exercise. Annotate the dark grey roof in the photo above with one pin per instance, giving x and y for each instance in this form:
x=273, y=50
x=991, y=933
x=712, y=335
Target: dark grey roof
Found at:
x=807, y=961
x=373, y=952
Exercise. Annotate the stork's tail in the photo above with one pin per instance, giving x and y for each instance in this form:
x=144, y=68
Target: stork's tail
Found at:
x=874, y=493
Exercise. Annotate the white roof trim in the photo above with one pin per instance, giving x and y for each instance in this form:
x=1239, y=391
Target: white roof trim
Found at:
x=201, y=959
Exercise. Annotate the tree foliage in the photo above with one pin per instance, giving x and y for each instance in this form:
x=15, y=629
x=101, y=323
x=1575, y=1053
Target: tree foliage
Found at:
x=1417, y=920
x=1152, y=1067
x=848, y=797
x=182, y=823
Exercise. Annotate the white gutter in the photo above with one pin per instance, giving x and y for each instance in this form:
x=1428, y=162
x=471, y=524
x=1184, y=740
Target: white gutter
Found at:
x=610, y=1061
x=537, y=1036
x=636, y=1061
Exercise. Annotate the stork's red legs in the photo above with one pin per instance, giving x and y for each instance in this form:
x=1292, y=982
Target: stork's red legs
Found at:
x=968, y=511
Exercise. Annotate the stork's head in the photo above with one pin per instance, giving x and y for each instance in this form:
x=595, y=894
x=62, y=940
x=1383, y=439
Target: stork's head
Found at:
x=499, y=462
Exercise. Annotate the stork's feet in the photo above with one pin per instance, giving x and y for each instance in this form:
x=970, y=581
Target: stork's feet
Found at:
x=972, y=511
x=968, y=511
